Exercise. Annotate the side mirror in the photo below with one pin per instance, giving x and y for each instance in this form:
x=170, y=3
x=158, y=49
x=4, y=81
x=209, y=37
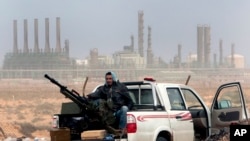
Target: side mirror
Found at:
x=224, y=104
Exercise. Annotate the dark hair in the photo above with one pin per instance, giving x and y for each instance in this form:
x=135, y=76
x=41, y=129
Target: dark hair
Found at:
x=108, y=73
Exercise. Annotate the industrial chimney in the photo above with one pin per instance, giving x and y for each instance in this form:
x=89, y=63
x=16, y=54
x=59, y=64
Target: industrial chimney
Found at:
x=232, y=56
x=94, y=57
x=58, y=40
x=179, y=55
x=66, y=43
x=132, y=43
x=215, y=60
x=36, y=45
x=149, y=50
x=140, y=33
x=221, y=52
x=15, y=46
x=207, y=48
x=25, y=46
x=47, y=44
x=200, y=49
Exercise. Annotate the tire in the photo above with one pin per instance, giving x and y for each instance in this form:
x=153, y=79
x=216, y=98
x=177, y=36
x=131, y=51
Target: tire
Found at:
x=161, y=139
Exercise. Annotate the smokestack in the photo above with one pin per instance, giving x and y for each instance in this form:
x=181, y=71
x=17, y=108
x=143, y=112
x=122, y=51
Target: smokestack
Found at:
x=132, y=43
x=67, y=47
x=15, y=46
x=94, y=58
x=36, y=46
x=232, y=56
x=221, y=52
x=149, y=38
x=207, y=48
x=179, y=52
x=179, y=55
x=25, y=46
x=149, y=50
x=200, y=50
x=47, y=44
x=215, y=60
x=58, y=40
x=140, y=33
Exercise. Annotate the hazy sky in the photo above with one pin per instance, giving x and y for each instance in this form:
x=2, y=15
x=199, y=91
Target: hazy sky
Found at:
x=108, y=24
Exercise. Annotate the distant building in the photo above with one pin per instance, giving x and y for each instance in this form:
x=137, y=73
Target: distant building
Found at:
x=238, y=61
x=125, y=59
x=80, y=62
x=105, y=61
x=21, y=60
x=191, y=58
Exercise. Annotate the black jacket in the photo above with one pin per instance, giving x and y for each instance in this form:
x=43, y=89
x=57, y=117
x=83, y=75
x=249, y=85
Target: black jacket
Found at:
x=119, y=95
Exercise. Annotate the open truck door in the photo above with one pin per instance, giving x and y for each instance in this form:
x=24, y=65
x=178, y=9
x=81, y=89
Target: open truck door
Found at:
x=228, y=107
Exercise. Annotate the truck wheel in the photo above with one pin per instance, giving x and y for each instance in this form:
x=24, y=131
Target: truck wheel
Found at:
x=161, y=139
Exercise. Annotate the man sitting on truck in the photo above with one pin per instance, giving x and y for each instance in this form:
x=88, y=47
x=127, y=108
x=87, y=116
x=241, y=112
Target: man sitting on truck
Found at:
x=116, y=98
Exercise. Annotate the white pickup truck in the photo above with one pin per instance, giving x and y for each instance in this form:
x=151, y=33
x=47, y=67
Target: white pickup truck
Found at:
x=175, y=112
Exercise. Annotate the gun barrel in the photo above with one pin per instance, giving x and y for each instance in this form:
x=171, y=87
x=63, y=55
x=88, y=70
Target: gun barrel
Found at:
x=54, y=81
x=47, y=76
x=81, y=101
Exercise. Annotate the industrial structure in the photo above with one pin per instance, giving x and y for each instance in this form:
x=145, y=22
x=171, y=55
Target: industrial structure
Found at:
x=140, y=33
x=203, y=46
x=47, y=43
x=177, y=59
x=129, y=57
x=221, y=53
x=131, y=61
x=37, y=59
x=150, y=56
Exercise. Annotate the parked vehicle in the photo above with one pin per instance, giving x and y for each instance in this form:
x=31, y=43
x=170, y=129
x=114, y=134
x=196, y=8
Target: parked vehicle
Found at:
x=172, y=112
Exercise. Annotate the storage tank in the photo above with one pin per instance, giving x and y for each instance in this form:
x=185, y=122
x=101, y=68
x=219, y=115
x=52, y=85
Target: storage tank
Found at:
x=239, y=60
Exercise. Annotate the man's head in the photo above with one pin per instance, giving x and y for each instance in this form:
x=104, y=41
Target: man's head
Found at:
x=110, y=78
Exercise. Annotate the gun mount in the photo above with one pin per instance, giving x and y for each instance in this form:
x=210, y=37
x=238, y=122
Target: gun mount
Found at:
x=88, y=118
x=77, y=122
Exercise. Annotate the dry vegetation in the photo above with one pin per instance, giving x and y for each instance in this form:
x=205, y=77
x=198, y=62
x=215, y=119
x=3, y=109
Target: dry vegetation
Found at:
x=27, y=106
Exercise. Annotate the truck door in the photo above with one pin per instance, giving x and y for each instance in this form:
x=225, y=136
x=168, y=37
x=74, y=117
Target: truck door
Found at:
x=228, y=107
x=180, y=118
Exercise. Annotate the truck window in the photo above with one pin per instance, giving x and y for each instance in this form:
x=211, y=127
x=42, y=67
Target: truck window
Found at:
x=229, y=98
x=143, y=98
x=146, y=96
x=175, y=99
x=191, y=100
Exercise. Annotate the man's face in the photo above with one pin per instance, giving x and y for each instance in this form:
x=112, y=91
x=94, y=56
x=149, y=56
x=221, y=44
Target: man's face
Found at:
x=109, y=79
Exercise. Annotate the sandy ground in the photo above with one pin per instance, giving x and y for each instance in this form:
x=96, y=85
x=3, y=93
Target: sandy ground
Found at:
x=27, y=106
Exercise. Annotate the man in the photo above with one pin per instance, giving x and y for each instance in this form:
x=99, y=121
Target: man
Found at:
x=116, y=98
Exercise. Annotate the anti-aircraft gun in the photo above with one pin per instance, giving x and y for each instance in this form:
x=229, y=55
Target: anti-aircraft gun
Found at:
x=80, y=115
x=73, y=95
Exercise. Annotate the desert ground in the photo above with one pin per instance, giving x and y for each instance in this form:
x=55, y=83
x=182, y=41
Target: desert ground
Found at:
x=27, y=106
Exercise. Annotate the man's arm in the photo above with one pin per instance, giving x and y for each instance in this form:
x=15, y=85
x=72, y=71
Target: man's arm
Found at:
x=96, y=94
